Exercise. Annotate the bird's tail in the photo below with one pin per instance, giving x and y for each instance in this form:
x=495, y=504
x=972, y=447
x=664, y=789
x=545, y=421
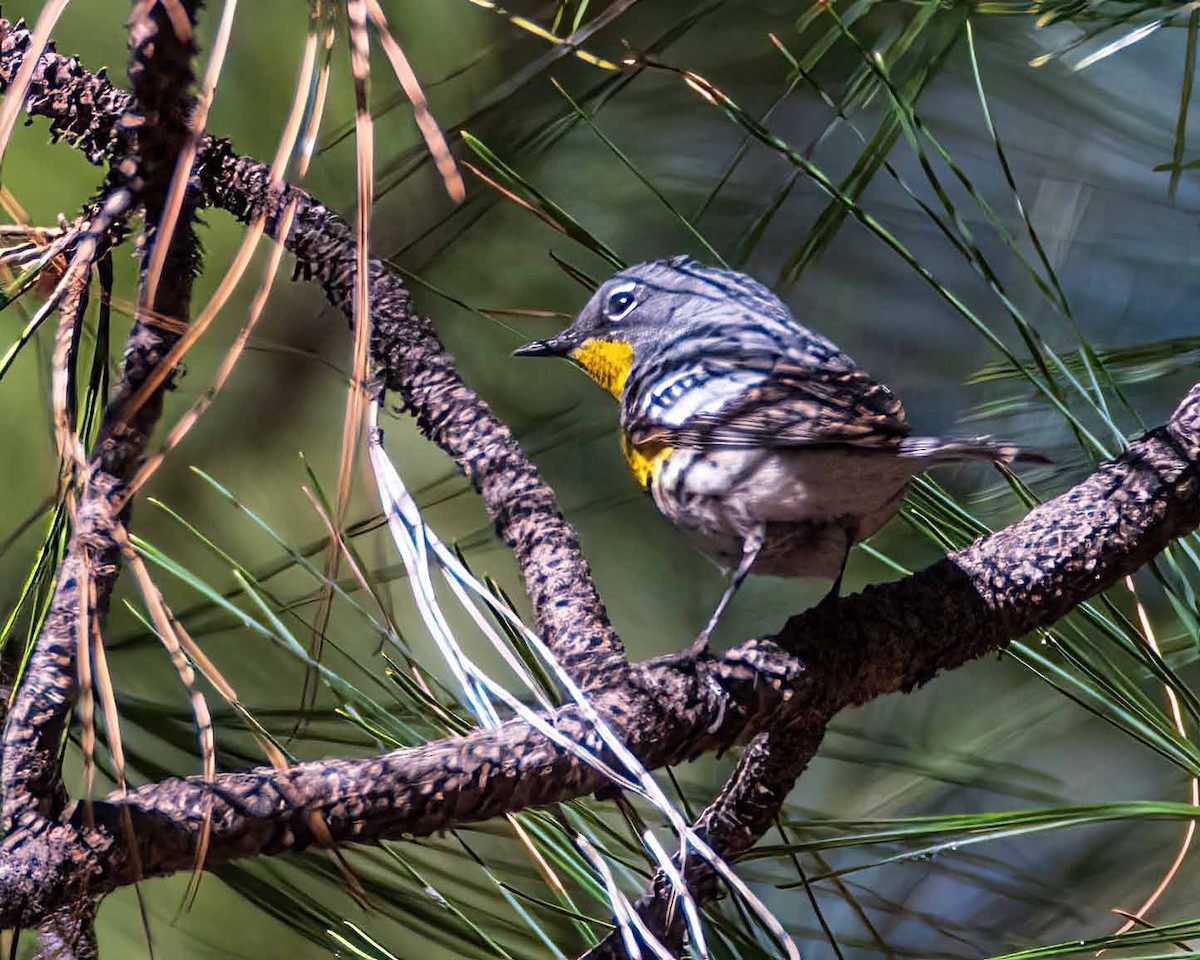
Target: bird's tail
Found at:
x=935, y=450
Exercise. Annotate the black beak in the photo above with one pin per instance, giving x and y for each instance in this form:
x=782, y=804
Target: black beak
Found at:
x=554, y=347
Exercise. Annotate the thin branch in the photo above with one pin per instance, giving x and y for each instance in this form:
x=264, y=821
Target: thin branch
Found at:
x=69, y=933
x=416, y=367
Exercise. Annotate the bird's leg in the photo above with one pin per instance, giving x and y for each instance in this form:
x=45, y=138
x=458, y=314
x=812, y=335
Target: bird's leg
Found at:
x=750, y=548
x=836, y=589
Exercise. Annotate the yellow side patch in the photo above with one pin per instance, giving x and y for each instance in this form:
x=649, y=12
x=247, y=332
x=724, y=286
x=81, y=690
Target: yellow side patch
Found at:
x=645, y=460
x=606, y=361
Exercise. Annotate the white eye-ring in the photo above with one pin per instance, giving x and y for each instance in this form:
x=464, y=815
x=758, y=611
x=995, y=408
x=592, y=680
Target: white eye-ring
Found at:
x=620, y=302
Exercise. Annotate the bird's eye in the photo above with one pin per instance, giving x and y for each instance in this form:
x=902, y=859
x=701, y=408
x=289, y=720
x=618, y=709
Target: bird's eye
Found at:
x=620, y=303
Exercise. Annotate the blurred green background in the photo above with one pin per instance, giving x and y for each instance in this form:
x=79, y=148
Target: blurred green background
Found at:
x=1083, y=145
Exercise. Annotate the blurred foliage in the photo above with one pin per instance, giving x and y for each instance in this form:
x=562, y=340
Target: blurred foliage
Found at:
x=993, y=208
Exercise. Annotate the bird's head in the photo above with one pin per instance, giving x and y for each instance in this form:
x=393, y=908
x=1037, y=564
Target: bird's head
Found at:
x=637, y=311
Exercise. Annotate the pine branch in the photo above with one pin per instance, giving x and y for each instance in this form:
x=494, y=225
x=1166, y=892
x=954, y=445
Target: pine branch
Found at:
x=160, y=70
x=891, y=637
x=85, y=111
x=415, y=366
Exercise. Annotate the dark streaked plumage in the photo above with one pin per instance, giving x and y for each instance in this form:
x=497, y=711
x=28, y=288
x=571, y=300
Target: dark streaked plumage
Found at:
x=757, y=437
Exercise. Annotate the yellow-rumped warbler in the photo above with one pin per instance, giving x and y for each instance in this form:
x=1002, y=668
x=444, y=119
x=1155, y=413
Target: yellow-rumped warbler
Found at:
x=756, y=437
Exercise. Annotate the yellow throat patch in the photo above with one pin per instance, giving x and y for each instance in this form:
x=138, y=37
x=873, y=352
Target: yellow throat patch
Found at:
x=608, y=362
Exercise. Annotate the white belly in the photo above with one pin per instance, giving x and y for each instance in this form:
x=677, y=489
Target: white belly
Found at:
x=810, y=501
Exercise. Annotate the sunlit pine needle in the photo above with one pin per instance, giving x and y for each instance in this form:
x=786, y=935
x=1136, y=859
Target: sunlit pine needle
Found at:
x=700, y=89
x=164, y=624
x=1134, y=36
x=530, y=26
x=72, y=456
x=435, y=140
x=544, y=868
x=214, y=676
x=87, y=701
x=335, y=536
x=11, y=206
x=103, y=685
x=520, y=201
x=1190, y=831
x=308, y=143
x=364, y=131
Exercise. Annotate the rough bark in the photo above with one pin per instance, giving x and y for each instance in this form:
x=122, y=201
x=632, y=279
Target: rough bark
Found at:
x=69, y=934
x=33, y=795
x=85, y=110
x=160, y=71
x=891, y=637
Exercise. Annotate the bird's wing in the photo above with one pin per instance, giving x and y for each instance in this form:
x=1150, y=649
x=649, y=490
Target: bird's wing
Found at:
x=794, y=405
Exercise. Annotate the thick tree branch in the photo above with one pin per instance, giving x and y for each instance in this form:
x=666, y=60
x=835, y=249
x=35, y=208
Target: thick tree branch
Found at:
x=70, y=933
x=891, y=637
x=161, y=75
x=85, y=110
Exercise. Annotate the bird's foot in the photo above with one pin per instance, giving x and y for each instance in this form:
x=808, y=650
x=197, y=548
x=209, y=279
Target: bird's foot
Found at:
x=699, y=647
